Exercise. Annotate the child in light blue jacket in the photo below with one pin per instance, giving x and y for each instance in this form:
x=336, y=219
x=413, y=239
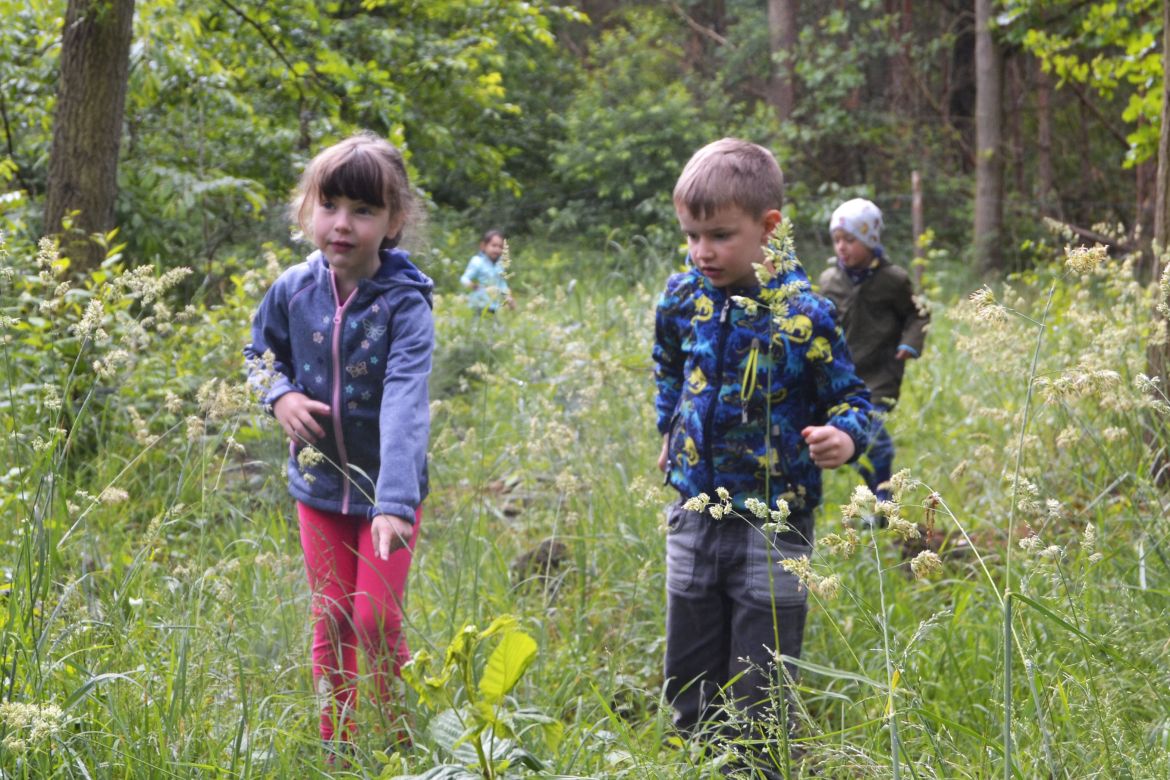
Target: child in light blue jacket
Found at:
x=485, y=275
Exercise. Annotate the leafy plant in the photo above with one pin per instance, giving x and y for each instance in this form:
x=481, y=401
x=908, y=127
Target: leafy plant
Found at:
x=478, y=724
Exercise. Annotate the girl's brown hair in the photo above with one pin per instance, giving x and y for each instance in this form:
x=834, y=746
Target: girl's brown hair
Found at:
x=363, y=167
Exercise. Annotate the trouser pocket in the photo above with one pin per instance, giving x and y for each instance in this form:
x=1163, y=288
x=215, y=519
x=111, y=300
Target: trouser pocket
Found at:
x=681, y=541
x=768, y=581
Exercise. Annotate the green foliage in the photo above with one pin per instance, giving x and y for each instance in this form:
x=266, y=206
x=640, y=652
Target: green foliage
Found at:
x=1110, y=47
x=477, y=715
x=628, y=131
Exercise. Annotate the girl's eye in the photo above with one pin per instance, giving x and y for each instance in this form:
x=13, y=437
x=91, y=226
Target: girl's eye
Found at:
x=327, y=205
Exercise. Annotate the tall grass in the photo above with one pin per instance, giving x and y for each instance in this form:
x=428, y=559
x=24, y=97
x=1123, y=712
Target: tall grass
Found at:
x=164, y=631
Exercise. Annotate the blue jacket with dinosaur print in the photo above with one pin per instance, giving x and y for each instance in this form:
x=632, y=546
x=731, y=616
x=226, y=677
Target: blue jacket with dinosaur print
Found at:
x=739, y=374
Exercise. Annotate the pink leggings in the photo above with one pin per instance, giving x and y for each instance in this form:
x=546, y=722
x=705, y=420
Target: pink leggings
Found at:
x=357, y=600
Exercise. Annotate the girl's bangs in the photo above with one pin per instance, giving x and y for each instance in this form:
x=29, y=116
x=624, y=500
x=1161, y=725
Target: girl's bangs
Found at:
x=357, y=177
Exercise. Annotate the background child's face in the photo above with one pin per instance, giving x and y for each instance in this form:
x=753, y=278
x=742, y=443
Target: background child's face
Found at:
x=493, y=247
x=350, y=232
x=725, y=245
x=850, y=251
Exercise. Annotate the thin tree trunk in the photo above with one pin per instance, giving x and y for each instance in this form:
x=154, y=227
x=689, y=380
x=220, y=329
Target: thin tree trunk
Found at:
x=988, y=143
x=1162, y=197
x=1045, y=187
x=87, y=127
x=1158, y=355
x=782, y=34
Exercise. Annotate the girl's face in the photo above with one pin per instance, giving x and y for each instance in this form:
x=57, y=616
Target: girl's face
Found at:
x=350, y=232
x=493, y=247
x=850, y=251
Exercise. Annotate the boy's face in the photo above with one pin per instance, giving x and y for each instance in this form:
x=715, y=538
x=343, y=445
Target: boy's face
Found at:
x=850, y=251
x=726, y=244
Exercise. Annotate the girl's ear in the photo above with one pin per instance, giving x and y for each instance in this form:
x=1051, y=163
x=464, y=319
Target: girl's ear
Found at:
x=771, y=219
x=394, y=231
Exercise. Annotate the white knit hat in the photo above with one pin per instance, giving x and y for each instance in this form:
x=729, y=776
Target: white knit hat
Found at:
x=861, y=218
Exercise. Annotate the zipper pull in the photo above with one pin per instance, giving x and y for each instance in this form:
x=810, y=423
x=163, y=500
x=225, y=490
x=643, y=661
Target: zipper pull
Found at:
x=726, y=309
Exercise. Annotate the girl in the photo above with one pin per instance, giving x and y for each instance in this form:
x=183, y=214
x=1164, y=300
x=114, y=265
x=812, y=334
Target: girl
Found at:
x=341, y=348
x=485, y=276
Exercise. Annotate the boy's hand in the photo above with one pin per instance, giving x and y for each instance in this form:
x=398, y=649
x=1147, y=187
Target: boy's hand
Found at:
x=664, y=456
x=829, y=447
x=389, y=534
x=294, y=411
x=904, y=354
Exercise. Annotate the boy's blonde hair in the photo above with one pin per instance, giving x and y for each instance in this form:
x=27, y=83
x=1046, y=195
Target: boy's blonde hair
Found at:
x=363, y=167
x=730, y=172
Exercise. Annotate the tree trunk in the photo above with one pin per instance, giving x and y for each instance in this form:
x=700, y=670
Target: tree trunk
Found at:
x=1158, y=355
x=988, y=144
x=1162, y=196
x=1045, y=186
x=782, y=34
x=87, y=127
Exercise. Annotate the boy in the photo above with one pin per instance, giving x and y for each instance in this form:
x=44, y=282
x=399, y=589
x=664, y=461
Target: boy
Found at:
x=884, y=325
x=751, y=401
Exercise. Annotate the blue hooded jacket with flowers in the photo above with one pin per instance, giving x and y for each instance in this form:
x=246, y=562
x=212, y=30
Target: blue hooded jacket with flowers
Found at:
x=736, y=384
x=369, y=359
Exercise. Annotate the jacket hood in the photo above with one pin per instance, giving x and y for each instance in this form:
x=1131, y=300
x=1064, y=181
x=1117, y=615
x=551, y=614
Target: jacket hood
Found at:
x=396, y=271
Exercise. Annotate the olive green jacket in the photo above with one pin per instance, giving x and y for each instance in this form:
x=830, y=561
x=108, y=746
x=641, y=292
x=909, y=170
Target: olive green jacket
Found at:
x=879, y=315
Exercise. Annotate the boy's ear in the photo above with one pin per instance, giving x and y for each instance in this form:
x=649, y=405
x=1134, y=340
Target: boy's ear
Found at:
x=771, y=219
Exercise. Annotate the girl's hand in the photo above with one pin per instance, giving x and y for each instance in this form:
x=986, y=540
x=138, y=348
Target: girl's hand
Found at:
x=294, y=411
x=389, y=533
x=829, y=447
x=903, y=354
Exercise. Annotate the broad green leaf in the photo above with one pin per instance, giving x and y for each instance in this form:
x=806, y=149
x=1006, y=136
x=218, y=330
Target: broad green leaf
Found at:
x=507, y=665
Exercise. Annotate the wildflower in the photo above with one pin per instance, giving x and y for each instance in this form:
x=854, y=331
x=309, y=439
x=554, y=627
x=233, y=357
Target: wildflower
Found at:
x=899, y=483
x=903, y=528
x=1089, y=539
x=1031, y=543
x=196, y=429
x=750, y=306
x=826, y=587
x=173, y=403
x=1083, y=260
x=309, y=457
x=29, y=724
x=90, y=323
x=113, y=495
x=862, y=503
x=1052, y=552
x=757, y=507
x=697, y=503
x=925, y=564
x=986, y=307
x=844, y=545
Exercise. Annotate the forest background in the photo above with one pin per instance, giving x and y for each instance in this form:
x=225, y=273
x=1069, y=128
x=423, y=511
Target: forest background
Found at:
x=153, y=611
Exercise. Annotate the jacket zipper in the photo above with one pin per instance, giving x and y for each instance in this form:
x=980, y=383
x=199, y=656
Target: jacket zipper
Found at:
x=338, y=317
x=710, y=419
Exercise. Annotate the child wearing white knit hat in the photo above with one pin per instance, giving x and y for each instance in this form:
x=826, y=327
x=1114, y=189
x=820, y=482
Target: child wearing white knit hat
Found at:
x=884, y=323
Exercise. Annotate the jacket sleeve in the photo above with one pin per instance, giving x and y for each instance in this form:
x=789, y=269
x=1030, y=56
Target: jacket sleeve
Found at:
x=669, y=359
x=269, y=354
x=915, y=316
x=471, y=273
x=405, y=420
x=842, y=398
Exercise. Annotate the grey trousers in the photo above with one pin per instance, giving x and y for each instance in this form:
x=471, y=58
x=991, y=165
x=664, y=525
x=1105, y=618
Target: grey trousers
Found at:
x=729, y=603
